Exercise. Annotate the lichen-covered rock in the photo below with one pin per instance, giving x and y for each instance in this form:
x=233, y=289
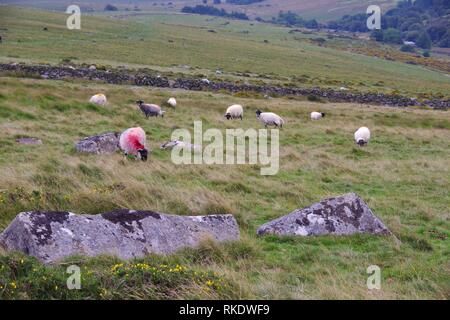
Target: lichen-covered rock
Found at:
x=52, y=236
x=101, y=144
x=343, y=215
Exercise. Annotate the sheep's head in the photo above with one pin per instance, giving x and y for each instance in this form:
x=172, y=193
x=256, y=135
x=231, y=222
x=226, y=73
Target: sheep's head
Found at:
x=143, y=154
x=361, y=142
x=169, y=144
x=161, y=113
x=139, y=102
x=323, y=114
x=258, y=112
x=228, y=115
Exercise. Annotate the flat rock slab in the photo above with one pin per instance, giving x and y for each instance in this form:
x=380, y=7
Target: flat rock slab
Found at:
x=33, y=141
x=105, y=143
x=52, y=236
x=344, y=215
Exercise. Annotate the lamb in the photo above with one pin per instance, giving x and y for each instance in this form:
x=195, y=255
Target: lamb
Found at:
x=98, y=99
x=269, y=118
x=181, y=144
x=172, y=102
x=317, y=115
x=234, y=112
x=133, y=142
x=362, y=136
x=150, y=110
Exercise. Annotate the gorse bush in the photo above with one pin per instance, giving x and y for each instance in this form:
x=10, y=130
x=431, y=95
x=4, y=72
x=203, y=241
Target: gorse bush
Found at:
x=23, y=277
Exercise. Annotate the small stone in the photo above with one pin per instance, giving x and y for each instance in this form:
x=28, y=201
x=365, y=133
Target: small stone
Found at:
x=32, y=141
x=106, y=143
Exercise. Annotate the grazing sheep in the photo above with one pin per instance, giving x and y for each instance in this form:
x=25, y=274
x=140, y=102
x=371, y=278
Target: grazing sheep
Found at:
x=269, y=118
x=150, y=110
x=317, y=115
x=172, y=102
x=362, y=136
x=98, y=99
x=182, y=144
x=133, y=142
x=234, y=112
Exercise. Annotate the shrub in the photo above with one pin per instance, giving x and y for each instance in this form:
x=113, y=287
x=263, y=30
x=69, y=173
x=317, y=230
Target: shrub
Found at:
x=407, y=48
x=424, y=41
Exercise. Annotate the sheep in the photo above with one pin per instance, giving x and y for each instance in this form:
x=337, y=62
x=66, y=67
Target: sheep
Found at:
x=150, y=110
x=98, y=99
x=362, y=136
x=172, y=102
x=234, y=112
x=133, y=142
x=317, y=115
x=181, y=144
x=269, y=118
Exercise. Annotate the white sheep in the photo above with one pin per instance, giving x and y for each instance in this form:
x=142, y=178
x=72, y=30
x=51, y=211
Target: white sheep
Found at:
x=236, y=111
x=317, y=115
x=172, y=102
x=133, y=142
x=182, y=145
x=362, y=136
x=269, y=118
x=98, y=99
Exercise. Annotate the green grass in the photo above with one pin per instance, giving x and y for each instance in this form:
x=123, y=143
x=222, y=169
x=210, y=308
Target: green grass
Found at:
x=167, y=42
x=403, y=175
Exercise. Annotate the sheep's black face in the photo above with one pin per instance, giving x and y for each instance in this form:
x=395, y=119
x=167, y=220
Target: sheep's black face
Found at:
x=144, y=154
x=228, y=116
x=323, y=115
x=139, y=102
x=361, y=143
x=258, y=112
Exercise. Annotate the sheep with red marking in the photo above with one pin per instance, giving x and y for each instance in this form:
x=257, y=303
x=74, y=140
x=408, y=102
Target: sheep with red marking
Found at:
x=133, y=142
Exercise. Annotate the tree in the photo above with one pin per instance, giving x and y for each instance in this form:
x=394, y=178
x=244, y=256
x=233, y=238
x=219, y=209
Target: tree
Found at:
x=377, y=35
x=110, y=7
x=424, y=41
x=392, y=35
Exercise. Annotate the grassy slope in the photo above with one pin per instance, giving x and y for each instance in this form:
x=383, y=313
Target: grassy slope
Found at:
x=403, y=175
x=146, y=42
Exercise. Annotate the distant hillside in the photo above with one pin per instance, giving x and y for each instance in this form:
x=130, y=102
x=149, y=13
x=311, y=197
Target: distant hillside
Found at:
x=423, y=22
x=322, y=10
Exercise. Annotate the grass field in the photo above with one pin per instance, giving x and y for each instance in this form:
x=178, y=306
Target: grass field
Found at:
x=171, y=41
x=403, y=175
